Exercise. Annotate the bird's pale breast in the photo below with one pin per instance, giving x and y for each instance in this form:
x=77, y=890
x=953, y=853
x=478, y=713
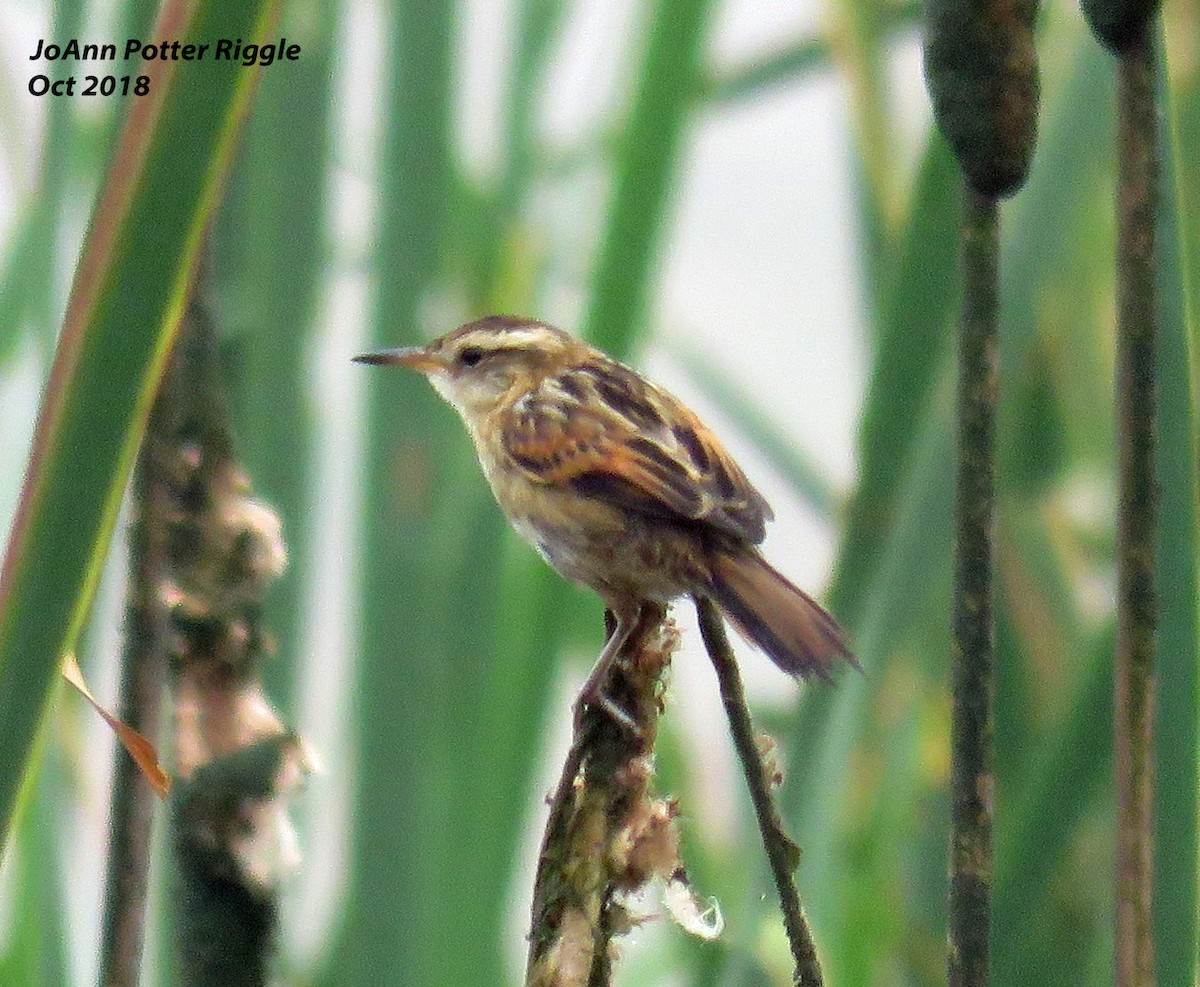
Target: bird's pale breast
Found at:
x=617, y=553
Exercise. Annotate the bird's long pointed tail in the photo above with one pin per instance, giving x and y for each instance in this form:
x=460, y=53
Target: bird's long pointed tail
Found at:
x=796, y=632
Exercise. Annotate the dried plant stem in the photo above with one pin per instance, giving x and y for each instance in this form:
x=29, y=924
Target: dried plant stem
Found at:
x=1135, y=361
x=971, y=779
x=782, y=853
x=143, y=681
x=605, y=833
x=236, y=763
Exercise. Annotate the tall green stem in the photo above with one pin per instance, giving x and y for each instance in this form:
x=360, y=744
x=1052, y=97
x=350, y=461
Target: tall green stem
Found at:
x=1136, y=521
x=972, y=783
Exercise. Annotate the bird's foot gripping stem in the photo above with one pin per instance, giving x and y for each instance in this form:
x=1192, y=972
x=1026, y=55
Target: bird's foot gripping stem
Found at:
x=627, y=631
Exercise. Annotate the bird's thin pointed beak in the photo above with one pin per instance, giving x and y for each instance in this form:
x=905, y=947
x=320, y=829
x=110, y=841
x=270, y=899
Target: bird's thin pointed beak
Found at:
x=414, y=357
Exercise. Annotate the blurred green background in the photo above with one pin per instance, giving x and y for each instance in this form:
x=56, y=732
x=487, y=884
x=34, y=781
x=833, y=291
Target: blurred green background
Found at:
x=746, y=200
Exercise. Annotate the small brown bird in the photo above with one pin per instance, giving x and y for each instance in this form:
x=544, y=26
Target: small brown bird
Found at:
x=619, y=486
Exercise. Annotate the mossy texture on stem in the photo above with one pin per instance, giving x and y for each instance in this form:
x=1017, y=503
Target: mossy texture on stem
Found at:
x=981, y=69
x=227, y=915
x=608, y=834
x=236, y=763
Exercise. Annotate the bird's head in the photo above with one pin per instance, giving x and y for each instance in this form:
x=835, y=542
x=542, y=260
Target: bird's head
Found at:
x=483, y=363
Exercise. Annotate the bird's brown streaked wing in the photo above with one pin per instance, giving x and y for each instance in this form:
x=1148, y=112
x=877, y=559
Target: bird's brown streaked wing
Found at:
x=603, y=431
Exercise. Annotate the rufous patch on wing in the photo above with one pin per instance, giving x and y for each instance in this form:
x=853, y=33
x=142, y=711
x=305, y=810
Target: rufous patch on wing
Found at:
x=602, y=430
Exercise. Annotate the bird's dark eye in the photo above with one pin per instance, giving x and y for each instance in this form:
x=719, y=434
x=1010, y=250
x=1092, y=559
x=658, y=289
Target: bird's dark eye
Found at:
x=470, y=356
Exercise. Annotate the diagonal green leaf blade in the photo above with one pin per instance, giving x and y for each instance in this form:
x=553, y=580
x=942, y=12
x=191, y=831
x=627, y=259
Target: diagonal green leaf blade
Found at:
x=130, y=284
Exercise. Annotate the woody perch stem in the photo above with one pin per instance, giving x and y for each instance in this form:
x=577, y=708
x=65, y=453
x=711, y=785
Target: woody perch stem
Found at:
x=782, y=853
x=971, y=778
x=607, y=833
x=1133, y=700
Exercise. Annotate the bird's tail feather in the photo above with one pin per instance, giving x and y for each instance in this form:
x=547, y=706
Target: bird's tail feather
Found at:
x=796, y=632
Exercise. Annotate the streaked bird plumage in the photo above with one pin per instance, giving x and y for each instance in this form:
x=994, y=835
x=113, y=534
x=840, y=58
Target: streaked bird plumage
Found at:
x=619, y=485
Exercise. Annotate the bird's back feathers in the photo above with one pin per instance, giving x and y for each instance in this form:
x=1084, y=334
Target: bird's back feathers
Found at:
x=603, y=431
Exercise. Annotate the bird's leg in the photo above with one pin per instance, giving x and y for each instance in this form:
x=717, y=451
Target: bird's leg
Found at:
x=622, y=622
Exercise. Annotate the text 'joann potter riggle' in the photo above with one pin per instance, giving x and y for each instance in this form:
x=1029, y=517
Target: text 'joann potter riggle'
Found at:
x=221, y=50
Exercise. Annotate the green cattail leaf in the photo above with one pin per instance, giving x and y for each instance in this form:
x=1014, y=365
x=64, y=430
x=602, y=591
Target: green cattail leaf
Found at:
x=130, y=284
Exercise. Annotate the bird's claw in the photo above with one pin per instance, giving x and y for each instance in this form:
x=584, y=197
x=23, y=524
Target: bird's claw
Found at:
x=606, y=704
